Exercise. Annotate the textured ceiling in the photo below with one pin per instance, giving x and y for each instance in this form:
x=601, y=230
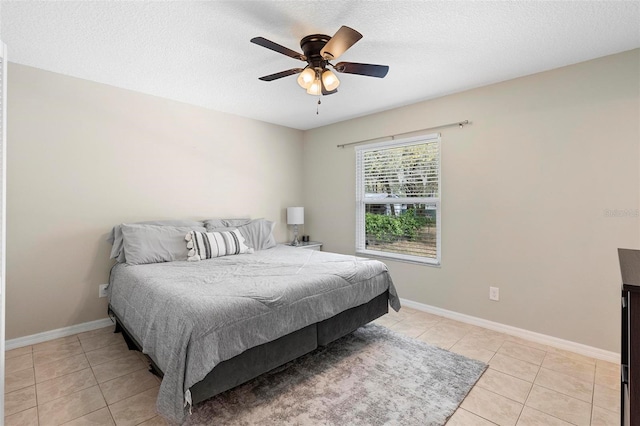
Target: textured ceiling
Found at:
x=199, y=52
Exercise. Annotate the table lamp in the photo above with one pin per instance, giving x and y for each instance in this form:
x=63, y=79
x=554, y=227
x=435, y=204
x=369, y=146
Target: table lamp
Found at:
x=295, y=217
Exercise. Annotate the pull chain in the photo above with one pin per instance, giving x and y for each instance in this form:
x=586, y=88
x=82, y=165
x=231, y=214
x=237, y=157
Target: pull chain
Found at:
x=318, y=106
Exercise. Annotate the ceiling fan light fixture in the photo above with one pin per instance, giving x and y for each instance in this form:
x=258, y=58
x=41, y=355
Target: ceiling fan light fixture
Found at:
x=330, y=80
x=318, y=50
x=315, y=88
x=306, y=78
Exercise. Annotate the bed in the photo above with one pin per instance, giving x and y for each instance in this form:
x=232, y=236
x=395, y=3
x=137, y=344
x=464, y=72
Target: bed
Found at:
x=211, y=325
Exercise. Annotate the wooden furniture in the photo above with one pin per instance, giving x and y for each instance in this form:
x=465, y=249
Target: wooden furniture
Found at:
x=630, y=351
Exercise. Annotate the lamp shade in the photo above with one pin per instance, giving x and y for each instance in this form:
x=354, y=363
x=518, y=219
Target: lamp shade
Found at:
x=315, y=88
x=330, y=80
x=306, y=77
x=295, y=215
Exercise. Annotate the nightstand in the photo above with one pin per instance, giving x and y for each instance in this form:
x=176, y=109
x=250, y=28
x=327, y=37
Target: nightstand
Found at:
x=311, y=245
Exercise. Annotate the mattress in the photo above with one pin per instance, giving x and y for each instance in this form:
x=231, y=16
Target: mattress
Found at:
x=190, y=316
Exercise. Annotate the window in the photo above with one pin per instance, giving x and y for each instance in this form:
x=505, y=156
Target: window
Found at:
x=398, y=199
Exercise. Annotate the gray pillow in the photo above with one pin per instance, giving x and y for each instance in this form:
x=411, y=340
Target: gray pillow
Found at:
x=154, y=243
x=216, y=224
x=257, y=233
x=115, y=237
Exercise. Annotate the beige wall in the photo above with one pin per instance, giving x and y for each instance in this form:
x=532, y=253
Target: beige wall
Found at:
x=84, y=156
x=525, y=189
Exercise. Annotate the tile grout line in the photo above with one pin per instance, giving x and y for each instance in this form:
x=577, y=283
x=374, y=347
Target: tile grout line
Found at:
x=104, y=362
x=546, y=387
x=562, y=393
x=524, y=404
x=76, y=418
x=63, y=375
x=497, y=394
x=508, y=374
x=99, y=387
x=115, y=378
x=75, y=392
x=593, y=391
x=35, y=391
x=593, y=394
x=477, y=415
x=564, y=374
x=111, y=414
x=509, y=398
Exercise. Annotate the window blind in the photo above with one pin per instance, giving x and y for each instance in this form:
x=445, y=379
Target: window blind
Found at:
x=402, y=171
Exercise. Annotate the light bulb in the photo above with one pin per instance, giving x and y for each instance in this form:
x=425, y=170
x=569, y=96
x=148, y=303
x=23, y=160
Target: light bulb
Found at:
x=330, y=80
x=306, y=77
x=315, y=88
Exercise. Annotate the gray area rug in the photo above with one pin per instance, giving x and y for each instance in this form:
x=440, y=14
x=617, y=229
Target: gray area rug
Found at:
x=373, y=376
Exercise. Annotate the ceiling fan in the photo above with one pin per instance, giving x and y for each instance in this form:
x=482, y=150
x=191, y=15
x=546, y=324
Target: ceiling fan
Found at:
x=318, y=50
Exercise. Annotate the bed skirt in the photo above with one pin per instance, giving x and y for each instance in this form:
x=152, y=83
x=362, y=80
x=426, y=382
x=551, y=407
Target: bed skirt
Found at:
x=263, y=358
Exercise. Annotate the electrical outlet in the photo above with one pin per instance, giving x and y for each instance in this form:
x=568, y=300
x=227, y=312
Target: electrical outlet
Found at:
x=494, y=293
x=102, y=290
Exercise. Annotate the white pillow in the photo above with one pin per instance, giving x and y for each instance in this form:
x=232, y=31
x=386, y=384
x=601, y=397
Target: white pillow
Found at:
x=207, y=245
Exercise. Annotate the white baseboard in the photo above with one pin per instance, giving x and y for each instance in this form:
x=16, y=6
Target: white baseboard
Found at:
x=544, y=339
x=55, y=334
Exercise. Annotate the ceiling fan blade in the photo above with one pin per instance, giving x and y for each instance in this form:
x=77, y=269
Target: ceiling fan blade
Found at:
x=261, y=41
x=281, y=74
x=370, y=70
x=343, y=39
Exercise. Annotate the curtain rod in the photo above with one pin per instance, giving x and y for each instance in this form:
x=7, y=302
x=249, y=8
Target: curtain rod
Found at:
x=460, y=124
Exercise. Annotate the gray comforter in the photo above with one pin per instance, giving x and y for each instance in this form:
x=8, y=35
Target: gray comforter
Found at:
x=190, y=316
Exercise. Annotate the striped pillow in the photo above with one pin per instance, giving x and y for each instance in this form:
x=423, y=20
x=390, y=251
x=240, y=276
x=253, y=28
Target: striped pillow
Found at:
x=207, y=245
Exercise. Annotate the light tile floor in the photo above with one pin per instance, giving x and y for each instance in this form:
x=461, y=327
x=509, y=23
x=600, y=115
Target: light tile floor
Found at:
x=87, y=379
x=526, y=383
x=93, y=379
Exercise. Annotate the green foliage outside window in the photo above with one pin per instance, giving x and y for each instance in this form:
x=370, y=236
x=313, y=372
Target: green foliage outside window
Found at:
x=388, y=228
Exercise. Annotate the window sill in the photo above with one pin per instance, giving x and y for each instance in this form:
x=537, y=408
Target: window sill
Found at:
x=399, y=258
